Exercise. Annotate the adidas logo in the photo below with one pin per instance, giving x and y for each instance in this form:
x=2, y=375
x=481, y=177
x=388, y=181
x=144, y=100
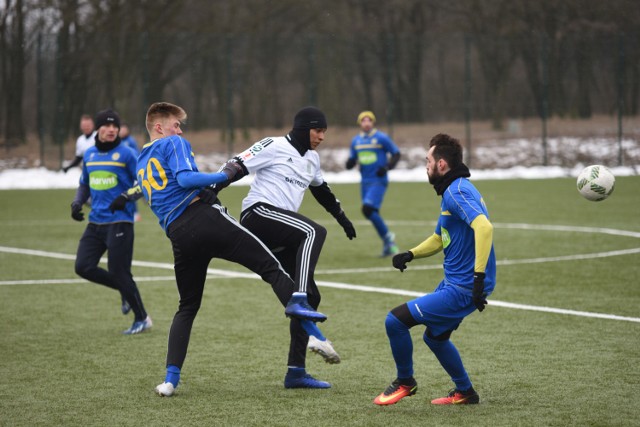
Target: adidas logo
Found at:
x=290, y=160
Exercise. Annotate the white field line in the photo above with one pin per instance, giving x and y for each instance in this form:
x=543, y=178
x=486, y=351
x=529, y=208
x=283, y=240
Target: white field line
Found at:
x=335, y=285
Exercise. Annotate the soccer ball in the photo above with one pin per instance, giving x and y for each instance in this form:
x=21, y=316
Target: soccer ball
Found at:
x=596, y=183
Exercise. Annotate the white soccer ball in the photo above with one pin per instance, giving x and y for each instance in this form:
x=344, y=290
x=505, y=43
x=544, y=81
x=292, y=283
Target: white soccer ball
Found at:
x=596, y=183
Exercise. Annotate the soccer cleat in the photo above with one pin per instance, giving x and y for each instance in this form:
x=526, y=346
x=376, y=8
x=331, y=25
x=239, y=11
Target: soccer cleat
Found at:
x=324, y=349
x=299, y=307
x=165, y=389
x=125, y=307
x=389, y=247
x=457, y=397
x=139, y=326
x=300, y=379
x=396, y=391
x=389, y=250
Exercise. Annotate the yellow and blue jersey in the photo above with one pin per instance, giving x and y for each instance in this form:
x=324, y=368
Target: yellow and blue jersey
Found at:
x=371, y=149
x=159, y=163
x=108, y=174
x=461, y=204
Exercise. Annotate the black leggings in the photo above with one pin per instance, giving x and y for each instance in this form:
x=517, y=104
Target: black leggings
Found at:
x=201, y=233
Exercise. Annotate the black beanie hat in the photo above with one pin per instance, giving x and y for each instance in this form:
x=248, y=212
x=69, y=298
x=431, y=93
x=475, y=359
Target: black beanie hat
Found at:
x=105, y=117
x=309, y=118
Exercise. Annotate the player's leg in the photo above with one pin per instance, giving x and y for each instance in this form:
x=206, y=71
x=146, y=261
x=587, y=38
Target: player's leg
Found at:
x=277, y=228
x=120, y=249
x=282, y=228
x=90, y=249
x=297, y=375
x=372, y=197
x=442, y=312
x=191, y=259
x=397, y=324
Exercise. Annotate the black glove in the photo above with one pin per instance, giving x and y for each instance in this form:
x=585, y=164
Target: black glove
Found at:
x=209, y=195
x=233, y=169
x=346, y=225
x=350, y=163
x=382, y=171
x=119, y=203
x=479, y=297
x=76, y=211
x=400, y=260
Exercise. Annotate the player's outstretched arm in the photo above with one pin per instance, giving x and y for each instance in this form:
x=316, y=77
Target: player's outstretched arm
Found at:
x=328, y=200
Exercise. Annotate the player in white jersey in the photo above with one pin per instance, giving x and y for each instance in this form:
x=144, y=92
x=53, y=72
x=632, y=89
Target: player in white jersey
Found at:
x=284, y=168
x=85, y=141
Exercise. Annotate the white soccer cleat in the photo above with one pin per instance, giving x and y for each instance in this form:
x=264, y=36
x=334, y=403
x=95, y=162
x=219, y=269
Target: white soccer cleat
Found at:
x=139, y=326
x=324, y=349
x=165, y=389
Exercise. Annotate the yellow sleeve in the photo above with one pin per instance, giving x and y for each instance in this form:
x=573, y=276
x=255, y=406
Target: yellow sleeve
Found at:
x=429, y=247
x=484, y=239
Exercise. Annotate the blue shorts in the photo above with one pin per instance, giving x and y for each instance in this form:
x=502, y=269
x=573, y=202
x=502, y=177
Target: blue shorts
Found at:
x=443, y=310
x=372, y=193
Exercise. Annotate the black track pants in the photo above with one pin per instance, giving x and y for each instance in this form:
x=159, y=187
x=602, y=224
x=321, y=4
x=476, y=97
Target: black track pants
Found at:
x=201, y=233
x=117, y=239
x=296, y=241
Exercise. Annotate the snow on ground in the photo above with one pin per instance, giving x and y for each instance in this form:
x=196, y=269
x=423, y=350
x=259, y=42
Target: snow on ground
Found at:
x=42, y=178
x=513, y=159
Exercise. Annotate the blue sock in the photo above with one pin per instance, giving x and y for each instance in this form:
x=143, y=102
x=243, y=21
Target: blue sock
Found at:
x=401, y=345
x=312, y=329
x=379, y=224
x=173, y=375
x=449, y=357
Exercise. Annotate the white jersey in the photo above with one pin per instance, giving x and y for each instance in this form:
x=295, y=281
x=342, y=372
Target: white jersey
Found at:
x=83, y=143
x=282, y=174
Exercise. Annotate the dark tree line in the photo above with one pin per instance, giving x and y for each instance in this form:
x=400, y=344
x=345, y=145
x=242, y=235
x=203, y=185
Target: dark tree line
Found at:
x=252, y=63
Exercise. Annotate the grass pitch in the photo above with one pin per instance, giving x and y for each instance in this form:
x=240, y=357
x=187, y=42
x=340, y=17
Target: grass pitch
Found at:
x=65, y=362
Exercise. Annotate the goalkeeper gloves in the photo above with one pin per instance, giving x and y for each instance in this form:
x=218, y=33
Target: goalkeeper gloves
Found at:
x=478, y=295
x=346, y=225
x=76, y=211
x=400, y=260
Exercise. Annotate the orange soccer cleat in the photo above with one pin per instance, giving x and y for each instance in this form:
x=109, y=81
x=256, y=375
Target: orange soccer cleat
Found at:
x=457, y=397
x=396, y=391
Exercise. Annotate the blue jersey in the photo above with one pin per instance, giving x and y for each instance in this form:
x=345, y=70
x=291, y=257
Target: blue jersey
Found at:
x=461, y=204
x=159, y=163
x=108, y=174
x=371, y=151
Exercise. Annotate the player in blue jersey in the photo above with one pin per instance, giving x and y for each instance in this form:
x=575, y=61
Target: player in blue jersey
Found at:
x=377, y=154
x=200, y=229
x=109, y=168
x=465, y=235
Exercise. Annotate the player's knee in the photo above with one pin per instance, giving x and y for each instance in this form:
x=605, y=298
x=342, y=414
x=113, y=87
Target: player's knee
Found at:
x=368, y=210
x=317, y=232
x=393, y=325
x=402, y=314
x=435, y=341
x=83, y=268
x=321, y=231
x=314, y=300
